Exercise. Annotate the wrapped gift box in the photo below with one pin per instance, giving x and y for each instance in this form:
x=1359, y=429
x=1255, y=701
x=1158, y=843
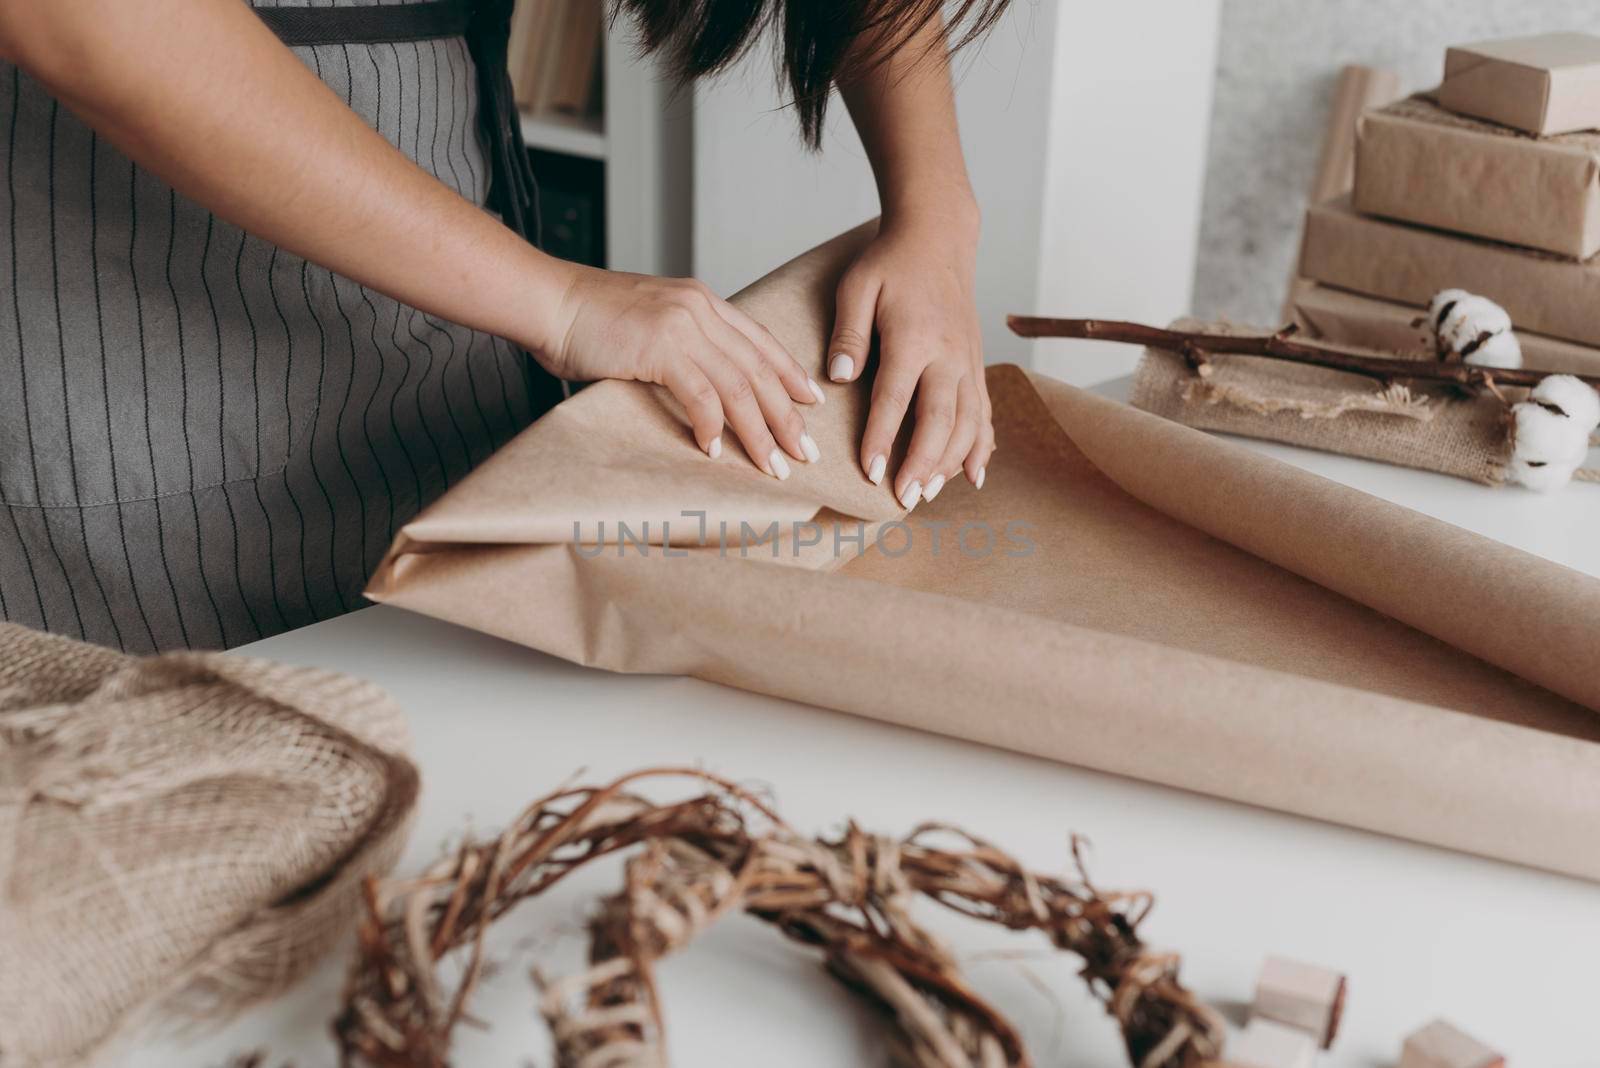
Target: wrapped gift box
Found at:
x=1370, y=323
x=1417, y=162
x=1543, y=293
x=1547, y=84
x=1125, y=593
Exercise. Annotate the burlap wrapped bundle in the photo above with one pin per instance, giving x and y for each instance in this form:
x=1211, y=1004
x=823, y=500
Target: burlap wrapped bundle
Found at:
x=1431, y=429
x=187, y=832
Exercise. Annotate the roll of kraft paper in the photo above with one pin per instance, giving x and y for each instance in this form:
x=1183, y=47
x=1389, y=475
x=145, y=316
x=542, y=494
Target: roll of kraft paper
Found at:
x=1154, y=602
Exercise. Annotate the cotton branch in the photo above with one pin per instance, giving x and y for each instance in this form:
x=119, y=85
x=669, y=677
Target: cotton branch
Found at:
x=1197, y=346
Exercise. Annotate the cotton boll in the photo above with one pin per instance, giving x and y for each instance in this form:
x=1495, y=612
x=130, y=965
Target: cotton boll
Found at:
x=1442, y=303
x=1546, y=447
x=1542, y=436
x=1468, y=317
x=1544, y=479
x=1575, y=397
x=1500, y=350
x=1474, y=328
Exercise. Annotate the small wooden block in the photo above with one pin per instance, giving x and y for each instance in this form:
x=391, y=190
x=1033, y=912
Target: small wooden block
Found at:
x=1265, y=1044
x=1301, y=995
x=1441, y=1045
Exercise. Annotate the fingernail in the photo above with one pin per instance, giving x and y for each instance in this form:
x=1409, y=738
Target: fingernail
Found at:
x=809, y=447
x=876, y=468
x=935, y=484
x=816, y=391
x=839, y=368
x=777, y=465
x=714, y=450
x=977, y=483
x=908, y=499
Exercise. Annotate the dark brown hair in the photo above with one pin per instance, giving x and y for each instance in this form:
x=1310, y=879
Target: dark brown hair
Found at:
x=819, y=38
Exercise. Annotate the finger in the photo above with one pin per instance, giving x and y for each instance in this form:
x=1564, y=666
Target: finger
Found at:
x=785, y=422
x=936, y=420
x=969, y=409
x=700, y=402
x=742, y=412
x=977, y=461
x=892, y=391
x=855, y=307
x=801, y=386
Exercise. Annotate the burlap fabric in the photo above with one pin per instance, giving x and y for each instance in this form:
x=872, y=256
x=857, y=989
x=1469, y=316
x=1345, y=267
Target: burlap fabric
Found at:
x=186, y=833
x=1432, y=429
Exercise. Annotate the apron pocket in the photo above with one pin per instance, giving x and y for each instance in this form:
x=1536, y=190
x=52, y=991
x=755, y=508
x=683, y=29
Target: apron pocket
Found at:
x=153, y=361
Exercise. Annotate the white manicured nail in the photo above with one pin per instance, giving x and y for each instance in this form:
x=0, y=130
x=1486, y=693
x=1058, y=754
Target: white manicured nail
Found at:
x=913, y=493
x=809, y=447
x=839, y=368
x=977, y=483
x=876, y=468
x=816, y=391
x=935, y=484
x=777, y=465
x=714, y=450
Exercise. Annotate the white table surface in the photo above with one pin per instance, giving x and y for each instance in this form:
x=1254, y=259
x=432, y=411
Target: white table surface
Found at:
x=1506, y=952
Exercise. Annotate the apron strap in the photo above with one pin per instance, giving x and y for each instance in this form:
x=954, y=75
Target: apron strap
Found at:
x=486, y=25
x=368, y=24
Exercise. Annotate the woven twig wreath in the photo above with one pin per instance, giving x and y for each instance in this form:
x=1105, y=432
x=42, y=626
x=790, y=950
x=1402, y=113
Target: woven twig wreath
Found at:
x=724, y=850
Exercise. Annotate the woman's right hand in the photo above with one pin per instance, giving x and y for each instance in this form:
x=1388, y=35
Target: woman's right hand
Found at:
x=721, y=365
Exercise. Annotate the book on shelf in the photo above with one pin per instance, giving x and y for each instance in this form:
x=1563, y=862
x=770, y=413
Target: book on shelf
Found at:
x=554, y=55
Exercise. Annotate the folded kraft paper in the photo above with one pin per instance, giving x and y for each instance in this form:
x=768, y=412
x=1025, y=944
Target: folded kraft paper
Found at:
x=1125, y=593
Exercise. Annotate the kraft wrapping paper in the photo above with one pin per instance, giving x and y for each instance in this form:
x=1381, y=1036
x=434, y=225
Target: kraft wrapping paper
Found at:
x=1191, y=613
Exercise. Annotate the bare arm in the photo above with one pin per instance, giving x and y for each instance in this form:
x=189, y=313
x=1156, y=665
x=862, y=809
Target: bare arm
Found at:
x=202, y=94
x=905, y=112
x=914, y=286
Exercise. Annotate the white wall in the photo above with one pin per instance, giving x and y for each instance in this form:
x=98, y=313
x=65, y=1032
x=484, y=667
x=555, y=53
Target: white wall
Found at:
x=1130, y=107
x=1090, y=204
x=759, y=199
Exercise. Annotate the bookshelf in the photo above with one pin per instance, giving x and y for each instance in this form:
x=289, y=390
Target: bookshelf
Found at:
x=625, y=132
x=568, y=135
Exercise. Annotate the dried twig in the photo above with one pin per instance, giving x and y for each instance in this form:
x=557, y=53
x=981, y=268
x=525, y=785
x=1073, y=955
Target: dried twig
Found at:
x=723, y=850
x=1199, y=345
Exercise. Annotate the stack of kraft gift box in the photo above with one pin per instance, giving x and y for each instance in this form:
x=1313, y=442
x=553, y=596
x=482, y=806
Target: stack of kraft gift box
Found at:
x=1490, y=184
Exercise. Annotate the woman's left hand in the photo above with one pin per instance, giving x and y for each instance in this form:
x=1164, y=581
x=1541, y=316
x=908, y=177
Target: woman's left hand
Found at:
x=913, y=287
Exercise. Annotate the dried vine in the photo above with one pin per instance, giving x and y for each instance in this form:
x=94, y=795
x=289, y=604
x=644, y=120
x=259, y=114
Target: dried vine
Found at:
x=1199, y=345
x=723, y=850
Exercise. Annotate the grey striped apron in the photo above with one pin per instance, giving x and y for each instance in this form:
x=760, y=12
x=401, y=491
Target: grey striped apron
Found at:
x=205, y=439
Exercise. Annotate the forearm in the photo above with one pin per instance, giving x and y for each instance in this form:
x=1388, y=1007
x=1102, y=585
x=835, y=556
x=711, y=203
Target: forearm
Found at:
x=202, y=94
x=904, y=110
x=910, y=295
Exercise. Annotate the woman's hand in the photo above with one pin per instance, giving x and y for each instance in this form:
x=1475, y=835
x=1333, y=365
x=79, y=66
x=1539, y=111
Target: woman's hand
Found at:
x=913, y=285
x=721, y=365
